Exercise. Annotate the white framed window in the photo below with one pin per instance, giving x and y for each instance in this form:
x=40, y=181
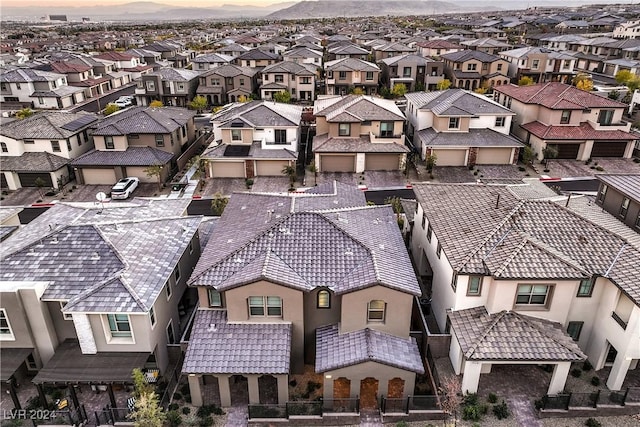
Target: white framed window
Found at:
x=236, y=135
x=565, y=117
x=624, y=208
x=6, y=333
x=265, y=306
x=176, y=273
x=533, y=295
x=55, y=146
x=119, y=325
x=159, y=140
x=108, y=143
x=344, y=129
x=3, y=147
x=586, y=287
x=602, y=193
x=171, y=336
x=215, y=298
x=500, y=122
x=151, y=86
x=65, y=316
x=152, y=317
x=169, y=290
x=454, y=122
x=474, y=287
x=369, y=75
x=376, y=310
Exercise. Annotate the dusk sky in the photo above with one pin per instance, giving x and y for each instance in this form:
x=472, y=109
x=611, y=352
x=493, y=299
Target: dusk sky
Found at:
x=186, y=3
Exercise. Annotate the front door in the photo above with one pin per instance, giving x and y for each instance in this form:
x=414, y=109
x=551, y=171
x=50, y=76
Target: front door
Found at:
x=369, y=393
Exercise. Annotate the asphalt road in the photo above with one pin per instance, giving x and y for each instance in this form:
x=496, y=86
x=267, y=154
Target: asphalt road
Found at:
x=577, y=186
x=96, y=105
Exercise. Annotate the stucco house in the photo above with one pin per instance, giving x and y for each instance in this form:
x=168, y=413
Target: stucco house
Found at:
x=540, y=64
x=355, y=133
x=38, y=89
x=129, y=141
x=257, y=138
x=414, y=71
x=42, y=147
x=227, y=83
x=620, y=196
x=579, y=124
x=172, y=86
x=472, y=69
x=512, y=290
x=461, y=128
x=344, y=75
x=284, y=282
x=297, y=79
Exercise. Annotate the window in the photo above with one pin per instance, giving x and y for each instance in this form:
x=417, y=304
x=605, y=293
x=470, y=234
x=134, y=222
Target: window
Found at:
x=474, y=287
x=454, y=122
x=535, y=64
x=3, y=86
x=108, y=143
x=279, y=78
x=499, y=67
x=574, y=329
x=386, y=129
x=241, y=82
x=65, y=316
x=375, y=310
x=406, y=72
x=500, y=121
x=324, y=299
x=424, y=220
x=119, y=325
x=18, y=86
x=605, y=117
x=171, y=338
x=152, y=317
x=472, y=67
x=624, y=207
x=215, y=298
x=151, y=86
x=281, y=136
x=180, y=87
x=638, y=221
x=236, y=135
x=566, y=117
x=3, y=147
x=266, y=77
x=566, y=63
x=305, y=80
x=29, y=141
x=439, y=250
x=176, y=273
x=159, y=140
x=215, y=82
x=41, y=100
x=454, y=280
x=272, y=306
x=429, y=232
x=369, y=75
x=586, y=287
x=342, y=75
x=55, y=146
x=344, y=129
x=68, y=145
x=602, y=193
x=5, y=326
x=532, y=294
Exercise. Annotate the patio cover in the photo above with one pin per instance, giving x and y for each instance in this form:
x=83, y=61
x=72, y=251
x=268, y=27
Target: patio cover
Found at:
x=69, y=365
x=11, y=359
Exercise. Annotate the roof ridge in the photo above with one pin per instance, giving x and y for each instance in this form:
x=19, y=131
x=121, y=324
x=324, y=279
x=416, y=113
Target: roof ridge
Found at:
x=510, y=258
x=552, y=251
x=534, y=323
x=488, y=329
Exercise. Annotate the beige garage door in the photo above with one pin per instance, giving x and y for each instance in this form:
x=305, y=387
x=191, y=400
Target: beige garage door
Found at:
x=335, y=163
x=270, y=167
x=450, y=157
x=494, y=156
x=138, y=172
x=228, y=169
x=99, y=176
x=382, y=162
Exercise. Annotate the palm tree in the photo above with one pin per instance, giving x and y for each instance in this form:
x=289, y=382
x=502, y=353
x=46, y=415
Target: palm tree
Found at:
x=290, y=171
x=313, y=169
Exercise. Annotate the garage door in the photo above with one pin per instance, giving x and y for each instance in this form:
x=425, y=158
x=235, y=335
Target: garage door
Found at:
x=99, y=176
x=227, y=169
x=333, y=163
x=138, y=172
x=450, y=157
x=609, y=149
x=270, y=167
x=29, y=179
x=382, y=162
x=567, y=151
x=493, y=156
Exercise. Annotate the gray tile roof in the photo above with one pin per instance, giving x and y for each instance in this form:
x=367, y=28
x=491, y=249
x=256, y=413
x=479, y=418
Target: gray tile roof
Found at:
x=6, y=230
x=358, y=107
x=456, y=102
x=261, y=114
x=511, y=336
x=466, y=55
x=350, y=64
x=258, y=55
x=176, y=74
x=500, y=235
x=473, y=138
x=213, y=58
x=132, y=156
x=22, y=75
x=7, y=212
x=289, y=67
x=407, y=59
x=230, y=70
x=33, y=162
x=335, y=350
x=45, y=125
x=218, y=347
x=325, y=144
x=144, y=120
x=629, y=185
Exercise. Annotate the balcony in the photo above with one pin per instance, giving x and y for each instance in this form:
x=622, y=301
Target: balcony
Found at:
x=140, y=91
x=621, y=125
x=619, y=320
x=397, y=139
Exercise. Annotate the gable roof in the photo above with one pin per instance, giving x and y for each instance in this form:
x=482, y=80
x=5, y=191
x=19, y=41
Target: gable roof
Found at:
x=466, y=55
x=230, y=70
x=358, y=107
x=48, y=125
x=144, y=120
x=557, y=96
x=456, y=102
x=350, y=64
x=33, y=162
x=21, y=75
x=175, y=74
x=261, y=114
x=289, y=67
x=584, y=131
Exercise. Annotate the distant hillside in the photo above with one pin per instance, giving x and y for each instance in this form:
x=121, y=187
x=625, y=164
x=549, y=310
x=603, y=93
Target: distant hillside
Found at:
x=353, y=8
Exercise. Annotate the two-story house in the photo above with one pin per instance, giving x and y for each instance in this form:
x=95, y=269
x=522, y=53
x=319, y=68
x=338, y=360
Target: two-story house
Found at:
x=88, y=294
x=285, y=282
x=461, y=128
x=344, y=75
x=256, y=138
x=127, y=62
x=38, y=149
x=355, y=133
x=541, y=64
x=390, y=50
x=207, y=61
x=417, y=73
x=471, y=69
x=304, y=55
x=346, y=49
x=227, y=83
x=435, y=48
x=578, y=124
x=171, y=51
x=513, y=291
x=620, y=196
x=487, y=45
x=38, y=89
x=297, y=79
x=129, y=141
x=256, y=58
x=79, y=74
x=172, y=86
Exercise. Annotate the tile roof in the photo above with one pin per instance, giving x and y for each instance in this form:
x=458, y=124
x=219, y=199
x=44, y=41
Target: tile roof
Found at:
x=511, y=336
x=456, y=102
x=335, y=350
x=28, y=75
x=261, y=114
x=359, y=107
x=258, y=55
x=325, y=144
x=230, y=70
x=46, y=125
x=132, y=156
x=144, y=120
x=219, y=347
x=213, y=58
x=350, y=64
x=33, y=162
x=175, y=74
x=558, y=96
x=289, y=67
x=582, y=132
x=626, y=184
x=467, y=55
x=408, y=59
x=473, y=138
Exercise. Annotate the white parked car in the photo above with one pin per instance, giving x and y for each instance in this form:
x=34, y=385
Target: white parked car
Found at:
x=124, y=101
x=124, y=188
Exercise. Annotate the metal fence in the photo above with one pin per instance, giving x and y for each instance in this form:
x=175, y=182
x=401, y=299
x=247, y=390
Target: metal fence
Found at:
x=583, y=400
x=591, y=400
x=560, y=401
x=394, y=405
x=347, y=405
x=304, y=408
x=172, y=379
x=424, y=403
x=110, y=415
x=267, y=411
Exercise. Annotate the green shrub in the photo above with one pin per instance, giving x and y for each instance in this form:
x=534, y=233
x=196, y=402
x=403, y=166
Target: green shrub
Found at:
x=177, y=396
x=206, y=422
x=595, y=381
x=592, y=422
x=471, y=413
x=186, y=410
x=470, y=399
x=576, y=372
x=248, y=182
x=492, y=398
x=402, y=424
x=538, y=404
x=173, y=407
x=586, y=366
x=206, y=410
x=174, y=419
x=501, y=410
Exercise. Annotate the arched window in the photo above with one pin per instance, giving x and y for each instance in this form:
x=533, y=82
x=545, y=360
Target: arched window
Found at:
x=376, y=310
x=324, y=299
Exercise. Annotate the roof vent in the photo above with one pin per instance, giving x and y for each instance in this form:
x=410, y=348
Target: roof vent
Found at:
x=212, y=327
x=54, y=240
x=243, y=208
x=229, y=240
x=32, y=252
x=348, y=253
x=95, y=256
x=381, y=246
x=238, y=260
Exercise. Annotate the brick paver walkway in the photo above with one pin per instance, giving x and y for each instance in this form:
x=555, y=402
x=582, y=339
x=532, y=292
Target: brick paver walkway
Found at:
x=523, y=412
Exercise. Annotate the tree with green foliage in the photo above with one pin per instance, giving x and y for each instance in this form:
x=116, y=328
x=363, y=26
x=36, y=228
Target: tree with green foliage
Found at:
x=431, y=161
x=290, y=172
x=198, y=103
x=357, y=91
x=283, y=97
x=24, y=113
x=443, y=84
x=218, y=204
x=420, y=87
x=314, y=170
x=398, y=90
x=481, y=90
x=525, y=81
x=147, y=411
x=155, y=170
x=628, y=79
x=583, y=81
x=528, y=155
x=110, y=109
x=39, y=182
x=614, y=94
x=156, y=104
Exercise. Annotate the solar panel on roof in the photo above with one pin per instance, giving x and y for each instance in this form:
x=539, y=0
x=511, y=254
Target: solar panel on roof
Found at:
x=237, y=151
x=79, y=123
